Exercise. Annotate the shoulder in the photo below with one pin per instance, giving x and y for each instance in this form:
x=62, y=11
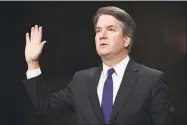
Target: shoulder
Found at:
x=142, y=69
x=152, y=75
x=148, y=72
x=87, y=72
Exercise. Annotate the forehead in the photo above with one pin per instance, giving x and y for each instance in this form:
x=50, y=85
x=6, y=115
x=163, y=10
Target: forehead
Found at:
x=108, y=20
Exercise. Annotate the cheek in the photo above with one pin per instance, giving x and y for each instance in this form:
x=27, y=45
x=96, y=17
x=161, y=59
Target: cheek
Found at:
x=117, y=41
x=96, y=41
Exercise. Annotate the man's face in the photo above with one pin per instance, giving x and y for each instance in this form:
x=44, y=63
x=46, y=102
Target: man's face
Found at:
x=109, y=37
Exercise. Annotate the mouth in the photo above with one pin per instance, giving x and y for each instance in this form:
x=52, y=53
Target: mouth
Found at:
x=103, y=44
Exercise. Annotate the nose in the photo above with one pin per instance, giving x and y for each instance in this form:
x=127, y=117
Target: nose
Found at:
x=102, y=34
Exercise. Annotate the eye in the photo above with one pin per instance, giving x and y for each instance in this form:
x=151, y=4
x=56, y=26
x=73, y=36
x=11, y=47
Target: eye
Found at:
x=98, y=30
x=111, y=29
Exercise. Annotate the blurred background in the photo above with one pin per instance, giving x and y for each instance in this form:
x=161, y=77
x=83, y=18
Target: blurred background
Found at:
x=160, y=43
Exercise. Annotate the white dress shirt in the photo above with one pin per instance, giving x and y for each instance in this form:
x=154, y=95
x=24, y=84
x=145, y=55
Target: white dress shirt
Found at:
x=117, y=77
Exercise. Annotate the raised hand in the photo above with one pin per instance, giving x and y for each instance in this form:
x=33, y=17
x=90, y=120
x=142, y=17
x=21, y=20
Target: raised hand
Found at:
x=34, y=45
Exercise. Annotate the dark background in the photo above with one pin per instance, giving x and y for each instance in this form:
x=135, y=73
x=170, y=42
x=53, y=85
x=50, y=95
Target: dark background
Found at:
x=67, y=26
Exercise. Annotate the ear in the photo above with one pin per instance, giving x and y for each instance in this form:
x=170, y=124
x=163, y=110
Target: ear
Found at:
x=127, y=40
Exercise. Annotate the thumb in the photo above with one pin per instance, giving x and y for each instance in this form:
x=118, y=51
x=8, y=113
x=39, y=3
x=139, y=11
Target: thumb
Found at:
x=42, y=43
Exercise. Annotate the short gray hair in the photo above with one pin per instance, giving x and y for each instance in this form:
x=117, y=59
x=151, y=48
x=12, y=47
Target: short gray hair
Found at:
x=129, y=26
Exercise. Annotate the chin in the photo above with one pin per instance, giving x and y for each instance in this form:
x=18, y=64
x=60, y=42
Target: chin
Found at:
x=103, y=53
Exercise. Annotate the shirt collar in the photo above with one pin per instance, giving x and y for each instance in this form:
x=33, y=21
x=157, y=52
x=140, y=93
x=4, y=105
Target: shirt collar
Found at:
x=119, y=68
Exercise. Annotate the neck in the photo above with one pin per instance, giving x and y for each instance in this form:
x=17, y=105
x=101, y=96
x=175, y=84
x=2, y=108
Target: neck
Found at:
x=112, y=60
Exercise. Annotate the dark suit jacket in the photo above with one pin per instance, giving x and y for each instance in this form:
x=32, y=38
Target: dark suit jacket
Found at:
x=142, y=97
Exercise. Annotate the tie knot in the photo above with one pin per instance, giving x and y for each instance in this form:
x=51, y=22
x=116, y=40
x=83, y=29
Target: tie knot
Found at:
x=111, y=71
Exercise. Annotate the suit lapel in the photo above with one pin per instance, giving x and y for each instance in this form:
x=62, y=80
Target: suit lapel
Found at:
x=129, y=79
x=92, y=87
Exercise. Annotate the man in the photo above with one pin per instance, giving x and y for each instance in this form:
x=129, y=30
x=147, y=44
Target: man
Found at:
x=120, y=91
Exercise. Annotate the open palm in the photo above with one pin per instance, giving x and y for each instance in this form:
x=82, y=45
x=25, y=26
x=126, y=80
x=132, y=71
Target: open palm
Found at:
x=34, y=45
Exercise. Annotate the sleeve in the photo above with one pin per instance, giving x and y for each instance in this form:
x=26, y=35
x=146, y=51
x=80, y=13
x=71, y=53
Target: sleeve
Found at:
x=33, y=73
x=47, y=104
x=161, y=109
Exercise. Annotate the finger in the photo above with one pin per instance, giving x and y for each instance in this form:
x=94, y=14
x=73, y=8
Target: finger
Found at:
x=36, y=27
x=32, y=34
x=27, y=38
x=42, y=44
x=35, y=33
x=39, y=35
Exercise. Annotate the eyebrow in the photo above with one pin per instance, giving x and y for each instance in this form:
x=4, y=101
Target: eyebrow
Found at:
x=107, y=27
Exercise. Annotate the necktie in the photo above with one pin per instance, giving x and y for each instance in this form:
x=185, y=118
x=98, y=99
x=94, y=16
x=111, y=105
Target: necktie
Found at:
x=107, y=99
